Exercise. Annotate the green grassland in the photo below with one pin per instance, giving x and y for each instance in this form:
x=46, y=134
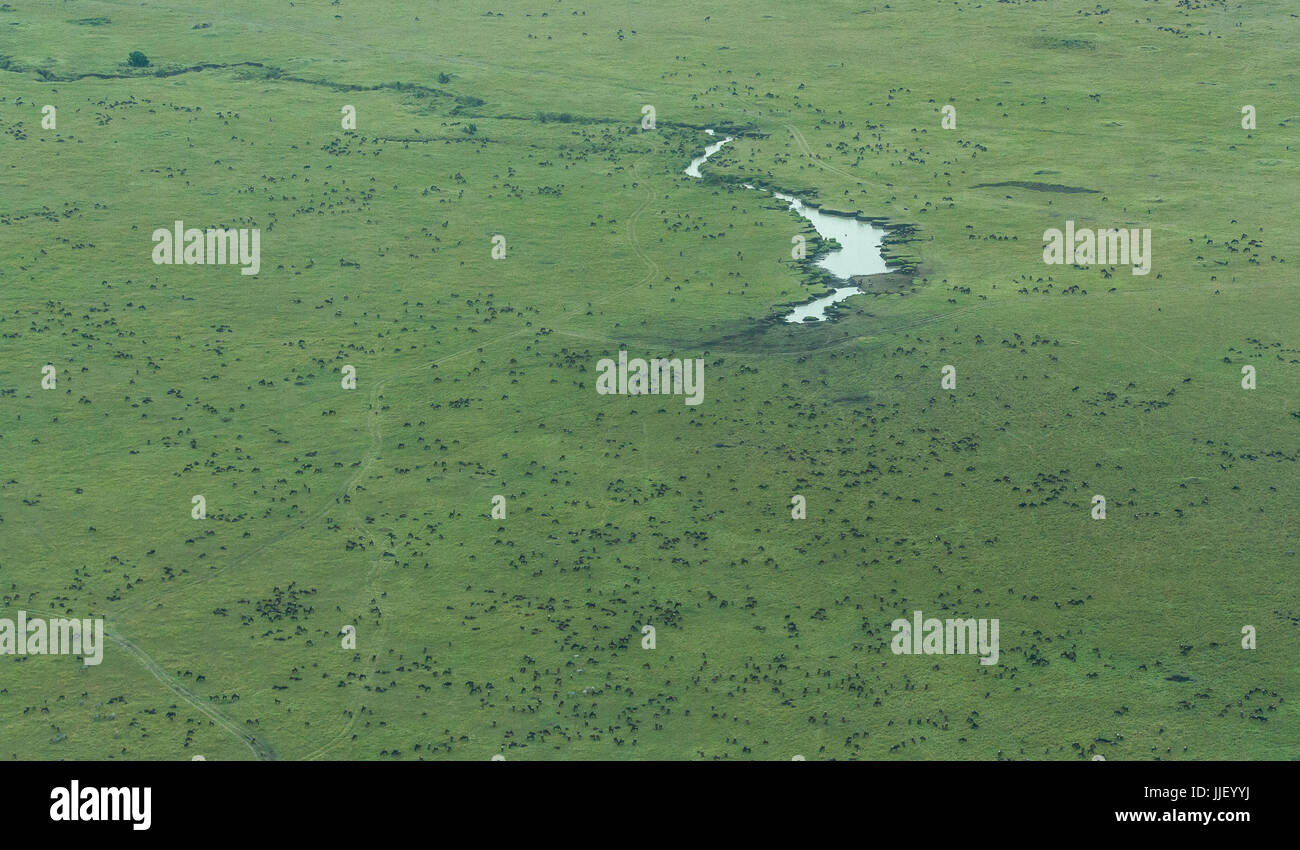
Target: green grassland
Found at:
x=475, y=377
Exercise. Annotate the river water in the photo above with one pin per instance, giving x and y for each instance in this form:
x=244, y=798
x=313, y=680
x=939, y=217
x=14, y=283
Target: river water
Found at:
x=859, y=250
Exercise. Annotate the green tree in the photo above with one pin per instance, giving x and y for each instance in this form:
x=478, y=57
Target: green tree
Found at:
x=137, y=60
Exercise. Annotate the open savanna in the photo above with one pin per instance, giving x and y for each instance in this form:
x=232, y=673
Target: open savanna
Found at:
x=371, y=507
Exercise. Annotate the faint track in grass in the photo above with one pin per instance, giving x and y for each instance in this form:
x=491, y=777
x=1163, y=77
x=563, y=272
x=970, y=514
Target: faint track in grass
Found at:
x=260, y=750
x=377, y=441
x=377, y=432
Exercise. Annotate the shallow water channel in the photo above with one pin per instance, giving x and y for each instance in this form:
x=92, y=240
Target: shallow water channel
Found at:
x=858, y=251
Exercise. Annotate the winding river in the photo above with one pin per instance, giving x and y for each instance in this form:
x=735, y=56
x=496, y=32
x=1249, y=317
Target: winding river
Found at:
x=859, y=251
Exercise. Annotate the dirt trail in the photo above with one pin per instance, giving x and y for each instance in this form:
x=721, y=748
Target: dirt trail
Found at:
x=260, y=749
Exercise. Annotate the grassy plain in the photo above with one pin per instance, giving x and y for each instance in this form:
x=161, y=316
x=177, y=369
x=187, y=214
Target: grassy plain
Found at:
x=476, y=376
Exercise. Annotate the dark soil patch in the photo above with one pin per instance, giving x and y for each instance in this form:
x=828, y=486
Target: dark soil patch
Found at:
x=884, y=283
x=1036, y=186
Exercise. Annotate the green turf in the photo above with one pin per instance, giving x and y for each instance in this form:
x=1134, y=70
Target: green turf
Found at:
x=476, y=377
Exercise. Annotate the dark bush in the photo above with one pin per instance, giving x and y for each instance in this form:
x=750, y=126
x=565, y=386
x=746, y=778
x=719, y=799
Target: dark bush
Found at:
x=137, y=60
